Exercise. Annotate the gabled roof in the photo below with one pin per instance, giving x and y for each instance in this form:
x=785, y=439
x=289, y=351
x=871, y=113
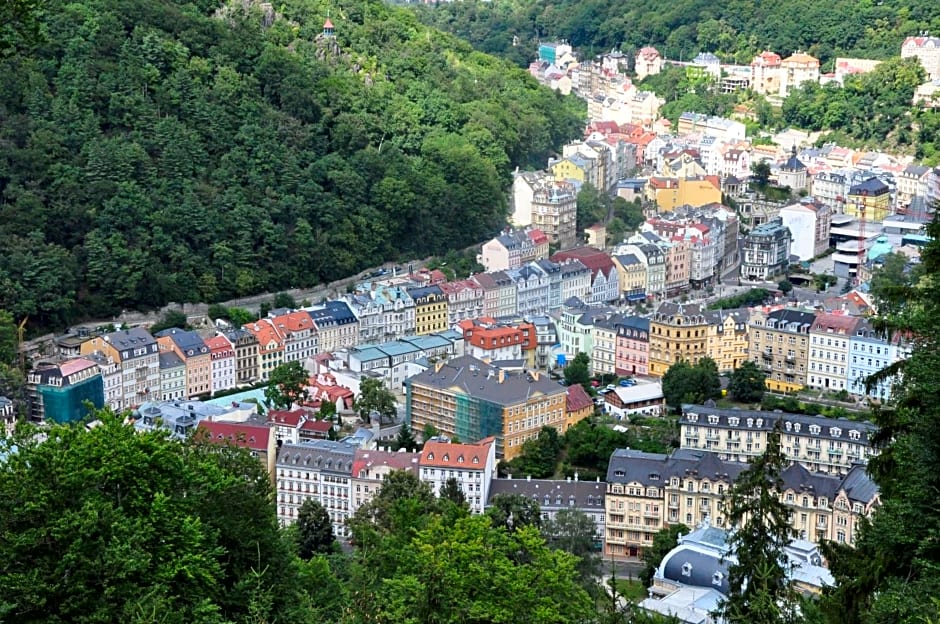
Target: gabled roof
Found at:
x=219, y=344
x=594, y=259
x=463, y=456
x=266, y=334
x=294, y=321
x=577, y=399
x=365, y=459
x=243, y=435
x=189, y=342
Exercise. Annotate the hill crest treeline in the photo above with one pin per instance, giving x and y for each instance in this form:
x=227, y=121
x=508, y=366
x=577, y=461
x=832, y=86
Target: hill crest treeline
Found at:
x=150, y=152
x=734, y=30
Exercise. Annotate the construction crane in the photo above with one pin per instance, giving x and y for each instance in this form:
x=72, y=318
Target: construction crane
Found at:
x=860, y=207
x=21, y=335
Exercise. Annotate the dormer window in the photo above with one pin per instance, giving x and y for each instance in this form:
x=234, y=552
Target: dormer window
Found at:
x=430, y=455
x=814, y=429
x=760, y=423
x=788, y=425
x=797, y=427
x=733, y=421
x=460, y=459
x=686, y=569
x=476, y=460
x=446, y=457
x=854, y=435
x=750, y=422
x=835, y=432
x=713, y=420
x=693, y=417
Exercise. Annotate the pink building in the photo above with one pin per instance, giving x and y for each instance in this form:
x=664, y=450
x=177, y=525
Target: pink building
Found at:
x=633, y=347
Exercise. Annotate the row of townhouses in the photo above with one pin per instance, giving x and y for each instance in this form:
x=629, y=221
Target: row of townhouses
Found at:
x=643, y=492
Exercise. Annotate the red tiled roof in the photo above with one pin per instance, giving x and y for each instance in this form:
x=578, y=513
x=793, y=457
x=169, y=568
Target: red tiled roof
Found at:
x=837, y=322
x=593, y=259
x=242, y=435
x=396, y=461
x=287, y=418
x=294, y=321
x=537, y=236
x=265, y=333
x=577, y=399
x=321, y=426
x=464, y=456
x=218, y=344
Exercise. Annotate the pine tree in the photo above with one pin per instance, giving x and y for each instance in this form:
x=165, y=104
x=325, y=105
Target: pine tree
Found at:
x=451, y=491
x=759, y=587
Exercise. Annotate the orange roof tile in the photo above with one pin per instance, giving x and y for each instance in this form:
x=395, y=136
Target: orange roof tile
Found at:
x=464, y=456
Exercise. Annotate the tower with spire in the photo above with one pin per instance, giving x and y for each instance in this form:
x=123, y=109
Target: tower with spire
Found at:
x=328, y=27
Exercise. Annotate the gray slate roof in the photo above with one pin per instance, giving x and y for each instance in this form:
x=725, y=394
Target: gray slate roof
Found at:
x=766, y=422
x=318, y=455
x=586, y=494
x=479, y=380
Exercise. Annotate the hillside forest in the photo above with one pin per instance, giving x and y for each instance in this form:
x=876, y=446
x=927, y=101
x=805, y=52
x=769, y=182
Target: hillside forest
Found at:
x=735, y=30
x=872, y=110
x=174, y=150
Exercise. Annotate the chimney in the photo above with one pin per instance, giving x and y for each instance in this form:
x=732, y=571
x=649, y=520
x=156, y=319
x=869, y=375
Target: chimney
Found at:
x=502, y=376
x=438, y=366
x=535, y=375
x=528, y=477
x=576, y=477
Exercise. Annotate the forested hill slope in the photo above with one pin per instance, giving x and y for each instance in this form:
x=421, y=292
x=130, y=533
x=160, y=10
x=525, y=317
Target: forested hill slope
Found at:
x=163, y=150
x=736, y=29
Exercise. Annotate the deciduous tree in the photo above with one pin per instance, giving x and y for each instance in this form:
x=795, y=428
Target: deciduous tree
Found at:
x=375, y=398
x=577, y=371
x=314, y=530
x=747, y=383
x=287, y=384
x=514, y=511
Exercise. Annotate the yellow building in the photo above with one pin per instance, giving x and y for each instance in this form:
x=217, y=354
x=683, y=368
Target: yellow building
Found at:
x=472, y=400
x=575, y=167
x=430, y=309
x=670, y=193
x=873, y=196
x=677, y=332
x=727, y=338
x=682, y=165
x=647, y=492
x=631, y=272
x=779, y=345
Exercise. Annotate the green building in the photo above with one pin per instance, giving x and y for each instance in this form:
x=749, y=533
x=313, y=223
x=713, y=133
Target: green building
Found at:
x=63, y=392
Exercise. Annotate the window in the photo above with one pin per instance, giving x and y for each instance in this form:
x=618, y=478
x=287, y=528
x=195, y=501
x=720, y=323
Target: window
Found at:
x=686, y=569
x=717, y=578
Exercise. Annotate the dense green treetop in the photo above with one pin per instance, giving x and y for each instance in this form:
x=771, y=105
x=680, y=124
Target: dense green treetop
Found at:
x=892, y=573
x=112, y=525
x=166, y=150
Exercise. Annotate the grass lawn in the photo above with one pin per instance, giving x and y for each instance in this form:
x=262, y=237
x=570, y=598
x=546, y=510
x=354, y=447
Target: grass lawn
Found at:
x=631, y=590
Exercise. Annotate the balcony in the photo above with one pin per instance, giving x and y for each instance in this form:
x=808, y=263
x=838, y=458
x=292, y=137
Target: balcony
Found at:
x=836, y=452
x=651, y=514
x=767, y=356
x=713, y=436
x=790, y=359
